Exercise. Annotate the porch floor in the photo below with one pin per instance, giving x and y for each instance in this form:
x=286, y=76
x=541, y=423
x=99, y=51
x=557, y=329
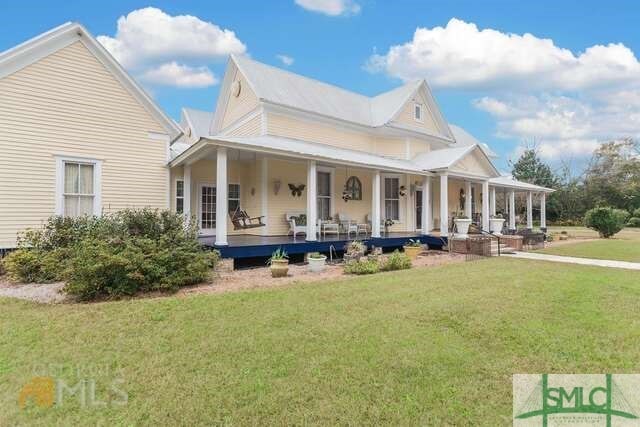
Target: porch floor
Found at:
x=249, y=246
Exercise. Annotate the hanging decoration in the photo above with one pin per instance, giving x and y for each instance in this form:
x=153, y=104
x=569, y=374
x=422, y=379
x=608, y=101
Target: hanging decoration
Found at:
x=352, y=188
x=402, y=191
x=296, y=190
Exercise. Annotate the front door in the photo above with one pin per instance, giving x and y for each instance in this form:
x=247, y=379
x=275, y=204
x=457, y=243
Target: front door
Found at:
x=418, y=209
x=207, y=208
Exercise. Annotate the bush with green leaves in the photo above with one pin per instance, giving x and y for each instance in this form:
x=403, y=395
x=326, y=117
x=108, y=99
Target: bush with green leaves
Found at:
x=114, y=255
x=634, y=222
x=362, y=266
x=396, y=261
x=606, y=221
x=636, y=213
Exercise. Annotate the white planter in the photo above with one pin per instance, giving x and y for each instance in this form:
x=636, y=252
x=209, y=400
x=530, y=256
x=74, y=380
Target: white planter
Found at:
x=316, y=265
x=462, y=225
x=495, y=225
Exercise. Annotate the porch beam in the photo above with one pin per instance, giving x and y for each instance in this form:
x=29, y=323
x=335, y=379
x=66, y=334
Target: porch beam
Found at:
x=426, y=204
x=529, y=210
x=485, y=205
x=467, y=199
x=444, y=205
x=543, y=211
x=222, y=203
x=512, y=210
x=312, y=200
x=375, y=204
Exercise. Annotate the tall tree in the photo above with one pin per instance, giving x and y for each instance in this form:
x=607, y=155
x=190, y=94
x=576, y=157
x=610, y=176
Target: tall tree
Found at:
x=530, y=168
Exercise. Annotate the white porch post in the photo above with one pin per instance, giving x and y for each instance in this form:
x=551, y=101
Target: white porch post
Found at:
x=375, y=205
x=444, y=205
x=485, y=205
x=222, y=204
x=529, y=210
x=186, y=179
x=467, y=199
x=512, y=210
x=312, y=200
x=426, y=204
x=493, y=200
x=543, y=211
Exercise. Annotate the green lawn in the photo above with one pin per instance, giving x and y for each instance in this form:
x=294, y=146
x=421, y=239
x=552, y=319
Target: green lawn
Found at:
x=625, y=246
x=431, y=346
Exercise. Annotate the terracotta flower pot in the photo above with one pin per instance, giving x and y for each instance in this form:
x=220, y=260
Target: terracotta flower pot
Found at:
x=412, y=251
x=279, y=267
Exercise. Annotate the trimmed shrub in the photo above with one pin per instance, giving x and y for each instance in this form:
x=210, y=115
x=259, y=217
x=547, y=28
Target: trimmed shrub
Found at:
x=363, y=266
x=636, y=213
x=27, y=265
x=605, y=220
x=634, y=222
x=396, y=261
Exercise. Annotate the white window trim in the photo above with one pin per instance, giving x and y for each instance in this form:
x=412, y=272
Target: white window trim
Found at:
x=97, y=182
x=331, y=171
x=212, y=231
x=418, y=105
x=401, y=206
x=175, y=192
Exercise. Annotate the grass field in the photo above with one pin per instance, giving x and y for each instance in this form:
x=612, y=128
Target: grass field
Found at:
x=625, y=246
x=431, y=346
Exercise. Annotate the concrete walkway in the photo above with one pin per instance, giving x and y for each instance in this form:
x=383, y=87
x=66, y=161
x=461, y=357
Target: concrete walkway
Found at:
x=575, y=260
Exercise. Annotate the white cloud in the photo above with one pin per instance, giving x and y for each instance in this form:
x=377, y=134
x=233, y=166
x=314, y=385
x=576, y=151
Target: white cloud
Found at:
x=174, y=74
x=535, y=90
x=330, y=7
x=285, y=59
x=461, y=55
x=148, y=39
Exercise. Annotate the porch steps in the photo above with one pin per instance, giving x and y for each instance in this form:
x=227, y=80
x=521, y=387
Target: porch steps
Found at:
x=504, y=249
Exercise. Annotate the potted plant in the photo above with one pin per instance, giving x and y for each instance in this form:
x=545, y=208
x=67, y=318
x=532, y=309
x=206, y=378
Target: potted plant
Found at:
x=496, y=222
x=354, y=250
x=387, y=223
x=316, y=262
x=413, y=248
x=462, y=224
x=279, y=263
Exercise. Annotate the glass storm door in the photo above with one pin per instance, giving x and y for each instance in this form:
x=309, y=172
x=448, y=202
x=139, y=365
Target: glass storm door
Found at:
x=207, y=213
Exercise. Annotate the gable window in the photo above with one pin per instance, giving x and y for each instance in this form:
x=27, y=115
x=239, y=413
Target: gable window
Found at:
x=417, y=111
x=392, y=198
x=179, y=196
x=353, y=188
x=77, y=187
x=234, y=197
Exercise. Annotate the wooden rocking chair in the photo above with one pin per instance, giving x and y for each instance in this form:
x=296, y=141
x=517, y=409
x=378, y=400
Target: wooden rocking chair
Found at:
x=242, y=221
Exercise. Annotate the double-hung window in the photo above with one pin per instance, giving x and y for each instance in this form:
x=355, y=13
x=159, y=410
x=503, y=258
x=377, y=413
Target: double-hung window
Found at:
x=392, y=198
x=78, y=189
x=324, y=195
x=234, y=197
x=180, y=196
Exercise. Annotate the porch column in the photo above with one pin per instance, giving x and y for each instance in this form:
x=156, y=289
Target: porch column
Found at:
x=543, y=211
x=312, y=200
x=467, y=199
x=512, y=210
x=529, y=210
x=375, y=205
x=485, y=205
x=444, y=205
x=493, y=200
x=222, y=203
x=186, y=182
x=426, y=204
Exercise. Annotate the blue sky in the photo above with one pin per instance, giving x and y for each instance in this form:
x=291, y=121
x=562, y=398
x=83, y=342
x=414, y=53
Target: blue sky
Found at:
x=569, y=84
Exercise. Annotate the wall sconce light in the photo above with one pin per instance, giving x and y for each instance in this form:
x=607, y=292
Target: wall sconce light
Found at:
x=253, y=191
x=276, y=186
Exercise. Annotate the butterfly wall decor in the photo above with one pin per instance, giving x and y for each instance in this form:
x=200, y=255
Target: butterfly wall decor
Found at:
x=296, y=190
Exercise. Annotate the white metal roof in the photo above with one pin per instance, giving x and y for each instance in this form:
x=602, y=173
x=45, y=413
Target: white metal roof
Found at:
x=289, y=89
x=464, y=138
x=441, y=159
x=510, y=182
x=199, y=121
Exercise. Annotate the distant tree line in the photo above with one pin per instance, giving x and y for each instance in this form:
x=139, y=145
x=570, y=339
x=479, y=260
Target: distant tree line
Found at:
x=611, y=178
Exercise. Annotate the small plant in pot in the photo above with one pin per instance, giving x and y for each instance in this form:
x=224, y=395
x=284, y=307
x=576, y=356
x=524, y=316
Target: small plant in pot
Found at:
x=279, y=263
x=413, y=248
x=462, y=224
x=317, y=262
